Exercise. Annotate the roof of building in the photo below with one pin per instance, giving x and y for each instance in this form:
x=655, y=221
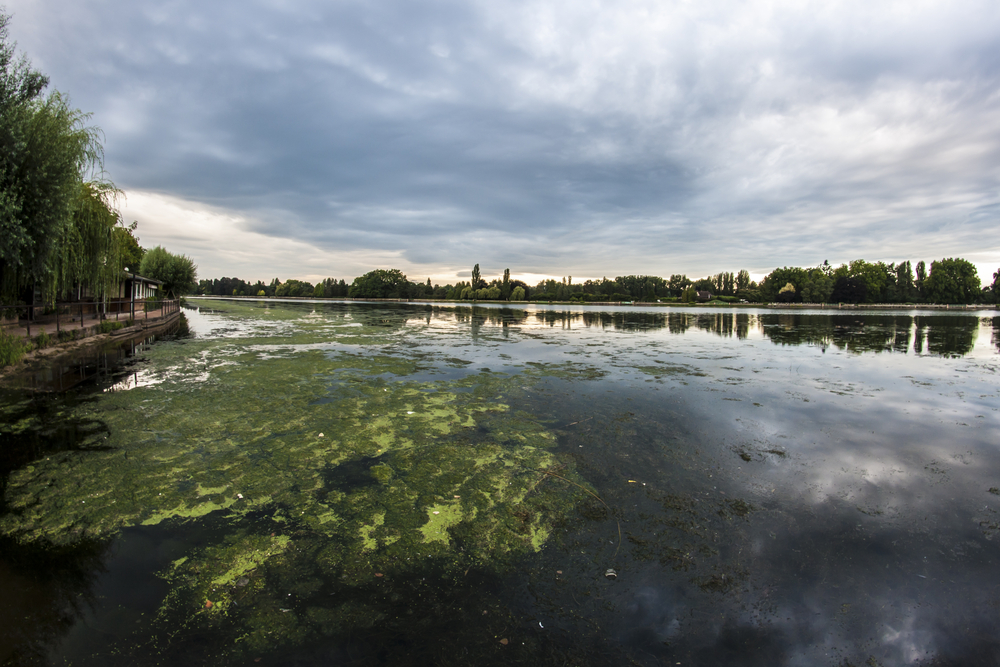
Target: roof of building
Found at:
x=136, y=276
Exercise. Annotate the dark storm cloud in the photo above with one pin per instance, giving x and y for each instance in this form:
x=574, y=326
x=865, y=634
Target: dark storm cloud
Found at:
x=633, y=137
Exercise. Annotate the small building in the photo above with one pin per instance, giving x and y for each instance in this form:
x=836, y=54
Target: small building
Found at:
x=137, y=287
x=703, y=296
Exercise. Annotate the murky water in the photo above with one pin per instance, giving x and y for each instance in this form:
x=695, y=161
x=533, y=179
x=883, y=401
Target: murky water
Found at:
x=359, y=484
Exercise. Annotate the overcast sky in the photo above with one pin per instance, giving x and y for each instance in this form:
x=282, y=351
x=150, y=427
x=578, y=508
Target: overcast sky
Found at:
x=567, y=137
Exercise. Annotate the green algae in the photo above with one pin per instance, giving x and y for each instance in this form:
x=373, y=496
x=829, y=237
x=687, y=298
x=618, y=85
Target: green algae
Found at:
x=211, y=578
x=284, y=441
x=439, y=519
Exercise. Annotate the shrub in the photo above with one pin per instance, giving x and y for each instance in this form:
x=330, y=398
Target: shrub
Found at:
x=43, y=340
x=12, y=349
x=107, y=326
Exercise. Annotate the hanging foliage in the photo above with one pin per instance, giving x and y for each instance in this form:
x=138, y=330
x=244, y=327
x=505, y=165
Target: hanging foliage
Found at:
x=90, y=252
x=55, y=228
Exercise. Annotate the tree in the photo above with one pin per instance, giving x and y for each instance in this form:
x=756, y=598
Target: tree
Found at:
x=380, y=284
x=817, y=286
x=788, y=294
x=294, y=287
x=905, y=290
x=177, y=272
x=91, y=245
x=743, y=279
x=775, y=281
x=952, y=280
x=56, y=229
x=921, y=277
x=505, y=287
x=476, y=278
x=44, y=151
x=128, y=245
x=517, y=294
x=878, y=277
x=848, y=289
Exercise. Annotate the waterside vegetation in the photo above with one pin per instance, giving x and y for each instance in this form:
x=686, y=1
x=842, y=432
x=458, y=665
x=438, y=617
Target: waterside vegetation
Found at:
x=61, y=232
x=945, y=281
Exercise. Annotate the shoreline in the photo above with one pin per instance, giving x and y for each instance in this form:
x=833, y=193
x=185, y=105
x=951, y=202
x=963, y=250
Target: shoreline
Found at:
x=643, y=304
x=91, y=338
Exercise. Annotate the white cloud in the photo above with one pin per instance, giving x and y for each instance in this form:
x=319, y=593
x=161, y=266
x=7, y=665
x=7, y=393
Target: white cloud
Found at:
x=634, y=136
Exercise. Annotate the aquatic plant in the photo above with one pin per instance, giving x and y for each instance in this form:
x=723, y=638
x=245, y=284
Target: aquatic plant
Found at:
x=284, y=447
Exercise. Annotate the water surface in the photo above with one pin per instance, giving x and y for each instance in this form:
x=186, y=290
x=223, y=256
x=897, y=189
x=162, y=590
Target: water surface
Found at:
x=300, y=483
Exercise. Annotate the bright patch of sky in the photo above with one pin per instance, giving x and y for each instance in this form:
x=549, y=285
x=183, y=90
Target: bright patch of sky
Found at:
x=314, y=139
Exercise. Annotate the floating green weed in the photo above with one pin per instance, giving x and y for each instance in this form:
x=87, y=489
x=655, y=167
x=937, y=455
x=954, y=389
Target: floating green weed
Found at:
x=333, y=445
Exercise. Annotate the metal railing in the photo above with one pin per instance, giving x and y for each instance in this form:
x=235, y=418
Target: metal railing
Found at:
x=71, y=313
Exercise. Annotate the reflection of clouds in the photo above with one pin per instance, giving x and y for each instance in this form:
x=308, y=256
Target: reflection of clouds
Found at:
x=825, y=591
x=866, y=525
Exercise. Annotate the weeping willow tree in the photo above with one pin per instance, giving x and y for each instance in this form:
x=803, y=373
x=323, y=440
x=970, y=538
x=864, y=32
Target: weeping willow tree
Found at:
x=56, y=228
x=90, y=252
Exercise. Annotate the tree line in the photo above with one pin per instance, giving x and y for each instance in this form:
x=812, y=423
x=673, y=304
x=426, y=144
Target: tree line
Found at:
x=60, y=228
x=952, y=280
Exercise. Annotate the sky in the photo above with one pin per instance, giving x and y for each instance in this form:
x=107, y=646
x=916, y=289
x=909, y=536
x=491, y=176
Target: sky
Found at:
x=584, y=138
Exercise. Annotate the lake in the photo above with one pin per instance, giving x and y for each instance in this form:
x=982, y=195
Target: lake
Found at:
x=408, y=484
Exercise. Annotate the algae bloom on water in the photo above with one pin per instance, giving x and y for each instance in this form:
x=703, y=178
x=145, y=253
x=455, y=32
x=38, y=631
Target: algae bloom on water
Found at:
x=282, y=446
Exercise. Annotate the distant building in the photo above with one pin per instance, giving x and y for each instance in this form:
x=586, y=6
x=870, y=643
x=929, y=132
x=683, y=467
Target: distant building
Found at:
x=703, y=296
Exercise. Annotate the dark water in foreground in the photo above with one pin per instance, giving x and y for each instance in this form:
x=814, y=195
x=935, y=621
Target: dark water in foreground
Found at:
x=365, y=484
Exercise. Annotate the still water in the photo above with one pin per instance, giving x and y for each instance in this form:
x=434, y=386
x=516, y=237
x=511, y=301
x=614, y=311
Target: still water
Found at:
x=408, y=484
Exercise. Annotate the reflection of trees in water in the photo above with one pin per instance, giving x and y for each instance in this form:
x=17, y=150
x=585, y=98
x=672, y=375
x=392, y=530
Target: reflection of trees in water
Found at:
x=941, y=334
x=722, y=324
x=995, y=339
x=726, y=325
x=46, y=589
x=949, y=335
x=945, y=335
x=502, y=317
x=619, y=320
x=855, y=333
x=43, y=588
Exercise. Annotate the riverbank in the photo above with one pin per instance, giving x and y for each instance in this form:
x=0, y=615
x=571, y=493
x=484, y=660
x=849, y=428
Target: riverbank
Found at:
x=712, y=304
x=84, y=337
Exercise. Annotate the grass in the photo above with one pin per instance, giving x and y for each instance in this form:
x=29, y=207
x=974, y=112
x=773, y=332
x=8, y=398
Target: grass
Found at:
x=12, y=349
x=43, y=340
x=107, y=326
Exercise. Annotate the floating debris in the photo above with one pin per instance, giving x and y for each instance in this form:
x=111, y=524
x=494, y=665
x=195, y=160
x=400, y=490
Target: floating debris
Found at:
x=610, y=573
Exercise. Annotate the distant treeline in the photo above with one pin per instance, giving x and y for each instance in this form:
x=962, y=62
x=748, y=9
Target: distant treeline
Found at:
x=952, y=280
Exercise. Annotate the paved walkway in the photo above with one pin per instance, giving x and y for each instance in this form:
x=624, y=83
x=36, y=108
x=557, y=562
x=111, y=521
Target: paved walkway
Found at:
x=68, y=322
